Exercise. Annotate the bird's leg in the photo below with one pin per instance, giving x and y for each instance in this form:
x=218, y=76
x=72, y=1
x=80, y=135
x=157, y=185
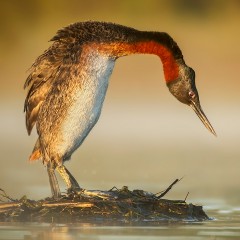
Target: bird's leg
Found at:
x=70, y=181
x=53, y=181
x=74, y=182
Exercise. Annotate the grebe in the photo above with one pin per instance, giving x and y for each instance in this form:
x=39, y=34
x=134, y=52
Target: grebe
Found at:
x=67, y=85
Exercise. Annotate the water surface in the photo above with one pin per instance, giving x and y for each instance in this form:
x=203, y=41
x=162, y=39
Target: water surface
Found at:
x=225, y=224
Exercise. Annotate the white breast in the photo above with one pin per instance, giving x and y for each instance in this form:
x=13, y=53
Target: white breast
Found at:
x=86, y=107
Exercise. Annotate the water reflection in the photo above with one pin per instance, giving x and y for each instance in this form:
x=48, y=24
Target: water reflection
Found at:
x=226, y=225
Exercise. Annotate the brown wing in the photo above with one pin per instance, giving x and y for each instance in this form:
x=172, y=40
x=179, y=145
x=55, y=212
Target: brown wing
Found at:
x=39, y=83
x=43, y=74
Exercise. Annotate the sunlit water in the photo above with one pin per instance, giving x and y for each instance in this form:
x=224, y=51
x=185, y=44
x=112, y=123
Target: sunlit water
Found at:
x=225, y=224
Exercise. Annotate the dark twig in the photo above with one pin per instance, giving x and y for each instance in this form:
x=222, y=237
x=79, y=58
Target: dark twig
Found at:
x=4, y=195
x=113, y=188
x=168, y=189
x=186, y=197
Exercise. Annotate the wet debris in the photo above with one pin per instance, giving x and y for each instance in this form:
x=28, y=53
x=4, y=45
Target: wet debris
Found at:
x=113, y=205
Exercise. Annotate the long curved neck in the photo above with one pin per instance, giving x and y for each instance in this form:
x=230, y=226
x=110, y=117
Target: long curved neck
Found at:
x=167, y=56
x=157, y=43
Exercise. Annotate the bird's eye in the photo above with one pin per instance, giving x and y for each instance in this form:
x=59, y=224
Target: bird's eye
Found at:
x=191, y=94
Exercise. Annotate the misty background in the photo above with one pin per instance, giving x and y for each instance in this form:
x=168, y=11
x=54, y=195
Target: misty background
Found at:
x=145, y=138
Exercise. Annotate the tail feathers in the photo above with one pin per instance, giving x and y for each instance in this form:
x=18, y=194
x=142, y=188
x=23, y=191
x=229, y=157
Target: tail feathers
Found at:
x=36, y=153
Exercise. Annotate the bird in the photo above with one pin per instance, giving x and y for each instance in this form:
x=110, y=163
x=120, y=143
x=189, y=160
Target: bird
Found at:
x=67, y=85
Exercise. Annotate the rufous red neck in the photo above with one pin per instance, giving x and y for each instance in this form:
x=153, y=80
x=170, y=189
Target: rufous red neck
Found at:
x=119, y=49
x=170, y=65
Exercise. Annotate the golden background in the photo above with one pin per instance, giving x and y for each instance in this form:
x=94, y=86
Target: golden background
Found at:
x=144, y=138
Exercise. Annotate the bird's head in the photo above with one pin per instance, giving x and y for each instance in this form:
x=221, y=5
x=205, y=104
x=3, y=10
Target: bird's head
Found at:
x=184, y=89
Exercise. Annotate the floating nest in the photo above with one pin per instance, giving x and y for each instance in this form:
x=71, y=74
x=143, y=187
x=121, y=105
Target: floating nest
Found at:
x=94, y=205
